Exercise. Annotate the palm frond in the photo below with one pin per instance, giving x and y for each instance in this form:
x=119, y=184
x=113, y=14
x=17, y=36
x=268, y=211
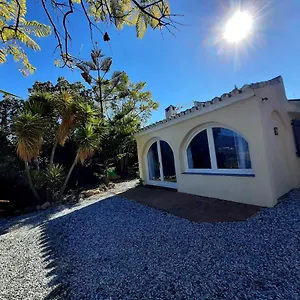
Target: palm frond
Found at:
x=29, y=130
x=88, y=142
x=7, y=93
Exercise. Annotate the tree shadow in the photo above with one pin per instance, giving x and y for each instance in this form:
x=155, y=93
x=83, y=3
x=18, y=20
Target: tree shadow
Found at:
x=120, y=249
x=32, y=219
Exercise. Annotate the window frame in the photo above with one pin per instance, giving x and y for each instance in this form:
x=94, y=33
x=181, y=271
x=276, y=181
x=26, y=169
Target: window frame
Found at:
x=212, y=153
x=160, y=182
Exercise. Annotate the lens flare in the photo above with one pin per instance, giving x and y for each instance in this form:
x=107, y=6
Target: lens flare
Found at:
x=238, y=27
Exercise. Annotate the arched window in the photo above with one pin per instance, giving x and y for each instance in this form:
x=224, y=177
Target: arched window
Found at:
x=218, y=150
x=161, y=166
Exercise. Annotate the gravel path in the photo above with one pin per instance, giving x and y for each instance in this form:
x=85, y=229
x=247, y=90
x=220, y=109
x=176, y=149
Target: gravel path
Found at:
x=119, y=249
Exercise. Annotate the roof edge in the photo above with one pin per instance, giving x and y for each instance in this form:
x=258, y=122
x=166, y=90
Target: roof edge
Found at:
x=226, y=96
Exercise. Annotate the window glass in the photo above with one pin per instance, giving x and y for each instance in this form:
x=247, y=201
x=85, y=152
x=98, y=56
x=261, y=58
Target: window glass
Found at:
x=153, y=163
x=167, y=162
x=198, y=152
x=232, y=151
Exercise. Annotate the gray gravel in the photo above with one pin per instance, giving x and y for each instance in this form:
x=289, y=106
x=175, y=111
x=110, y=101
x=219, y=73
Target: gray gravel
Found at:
x=119, y=249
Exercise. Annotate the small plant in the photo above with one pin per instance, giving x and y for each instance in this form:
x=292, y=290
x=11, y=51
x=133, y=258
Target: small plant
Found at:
x=141, y=182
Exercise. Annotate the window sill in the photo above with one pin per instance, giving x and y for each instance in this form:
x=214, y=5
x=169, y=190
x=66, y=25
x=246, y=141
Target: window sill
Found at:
x=219, y=174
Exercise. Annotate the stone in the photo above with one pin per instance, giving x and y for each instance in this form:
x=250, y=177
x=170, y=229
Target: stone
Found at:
x=90, y=193
x=38, y=207
x=45, y=205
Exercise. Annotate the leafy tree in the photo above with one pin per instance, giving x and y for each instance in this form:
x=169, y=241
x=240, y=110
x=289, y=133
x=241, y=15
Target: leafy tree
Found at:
x=124, y=107
x=67, y=115
x=9, y=107
x=16, y=32
x=11, y=167
x=76, y=88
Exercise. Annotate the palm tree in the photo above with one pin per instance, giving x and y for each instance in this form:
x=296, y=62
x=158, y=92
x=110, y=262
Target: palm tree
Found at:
x=88, y=142
x=65, y=106
x=67, y=115
x=29, y=129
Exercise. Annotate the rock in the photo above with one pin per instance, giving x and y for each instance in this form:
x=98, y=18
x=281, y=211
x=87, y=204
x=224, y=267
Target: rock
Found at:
x=111, y=185
x=45, y=205
x=38, y=207
x=90, y=193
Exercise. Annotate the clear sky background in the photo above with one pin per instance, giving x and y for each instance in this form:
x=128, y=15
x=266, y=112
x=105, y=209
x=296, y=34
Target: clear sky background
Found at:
x=192, y=65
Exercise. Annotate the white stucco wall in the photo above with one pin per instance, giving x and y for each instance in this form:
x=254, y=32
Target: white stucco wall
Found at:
x=275, y=165
x=282, y=160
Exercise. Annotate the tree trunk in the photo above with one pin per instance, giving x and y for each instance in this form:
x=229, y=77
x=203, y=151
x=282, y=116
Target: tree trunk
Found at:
x=105, y=178
x=37, y=163
x=67, y=178
x=49, y=193
x=30, y=181
x=100, y=93
x=52, y=154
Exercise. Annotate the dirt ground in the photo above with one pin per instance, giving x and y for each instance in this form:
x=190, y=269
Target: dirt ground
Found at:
x=191, y=207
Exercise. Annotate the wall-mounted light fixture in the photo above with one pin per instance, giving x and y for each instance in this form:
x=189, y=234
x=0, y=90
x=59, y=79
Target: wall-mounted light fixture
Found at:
x=264, y=99
x=276, y=130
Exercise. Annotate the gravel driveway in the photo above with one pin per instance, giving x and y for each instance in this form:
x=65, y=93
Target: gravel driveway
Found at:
x=119, y=249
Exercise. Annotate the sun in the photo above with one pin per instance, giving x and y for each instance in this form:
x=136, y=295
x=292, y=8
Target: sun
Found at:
x=238, y=27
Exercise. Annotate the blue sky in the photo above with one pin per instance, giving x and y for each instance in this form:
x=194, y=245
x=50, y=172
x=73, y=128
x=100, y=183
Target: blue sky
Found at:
x=190, y=65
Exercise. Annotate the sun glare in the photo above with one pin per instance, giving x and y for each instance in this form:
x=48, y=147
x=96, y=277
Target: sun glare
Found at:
x=238, y=28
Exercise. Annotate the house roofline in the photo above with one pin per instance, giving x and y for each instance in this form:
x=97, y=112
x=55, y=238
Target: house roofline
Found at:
x=246, y=92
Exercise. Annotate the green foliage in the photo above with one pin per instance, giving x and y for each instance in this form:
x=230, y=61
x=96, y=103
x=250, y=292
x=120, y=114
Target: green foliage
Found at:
x=124, y=106
x=29, y=129
x=9, y=107
x=66, y=114
x=88, y=141
x=69, y=116
x=54, y=177
x=16, y=32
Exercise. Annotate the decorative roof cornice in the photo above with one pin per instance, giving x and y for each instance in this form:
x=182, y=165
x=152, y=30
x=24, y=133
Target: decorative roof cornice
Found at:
x=207, y=104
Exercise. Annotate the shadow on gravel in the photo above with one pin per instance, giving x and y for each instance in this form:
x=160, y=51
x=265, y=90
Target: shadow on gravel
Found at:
x=29, y=220
x=119, y=249
x=32, y=219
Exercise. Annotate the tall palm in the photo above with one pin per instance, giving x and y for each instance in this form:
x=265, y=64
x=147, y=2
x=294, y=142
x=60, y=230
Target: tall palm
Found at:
x=29, y=129
x=71, y=112
x=88, y=141
x=66, y=109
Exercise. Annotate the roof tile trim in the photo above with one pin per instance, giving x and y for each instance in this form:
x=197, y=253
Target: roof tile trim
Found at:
x=200, y=105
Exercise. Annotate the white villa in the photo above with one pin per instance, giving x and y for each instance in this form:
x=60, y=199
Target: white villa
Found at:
x=242, y=146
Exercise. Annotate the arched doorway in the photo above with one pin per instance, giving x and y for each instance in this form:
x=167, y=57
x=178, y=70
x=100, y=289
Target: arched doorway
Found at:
x=161, y=166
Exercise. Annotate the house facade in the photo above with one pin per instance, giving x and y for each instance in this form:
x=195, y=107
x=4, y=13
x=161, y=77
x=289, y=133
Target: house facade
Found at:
x=238, y=147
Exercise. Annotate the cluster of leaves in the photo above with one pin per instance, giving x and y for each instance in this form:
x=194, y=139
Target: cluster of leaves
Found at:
x=62, y=115
x=95, y=125
x=12, y=180
x=140, y=14
x=16, y=32
x=124, y=106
